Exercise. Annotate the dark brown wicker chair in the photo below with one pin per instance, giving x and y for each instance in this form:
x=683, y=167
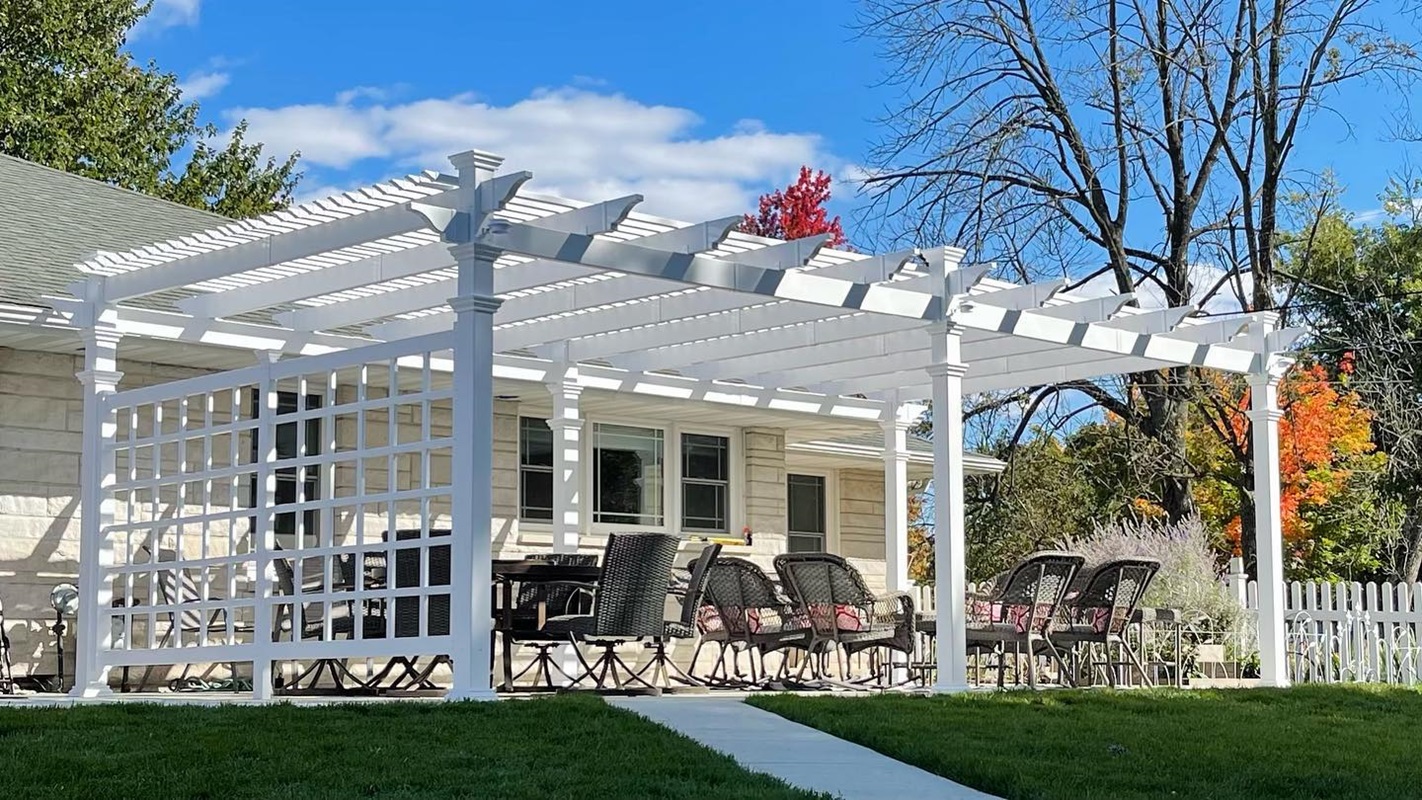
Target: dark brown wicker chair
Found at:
x=7, y=671
x=842, y=612
x=743, y=611
x=628, y=605
x=1096, y=618
x=664, y=670
x=1021, y=609
x=313, y=626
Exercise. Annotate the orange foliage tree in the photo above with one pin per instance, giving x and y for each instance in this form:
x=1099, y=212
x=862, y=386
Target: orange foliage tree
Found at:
x=1327, y=457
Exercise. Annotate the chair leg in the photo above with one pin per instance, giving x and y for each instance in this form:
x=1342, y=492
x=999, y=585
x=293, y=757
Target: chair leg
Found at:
x=1136, y=661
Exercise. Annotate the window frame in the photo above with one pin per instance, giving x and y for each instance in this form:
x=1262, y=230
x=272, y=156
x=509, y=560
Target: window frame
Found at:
x=520, y=467
x=672, y=472
x=682, y=481
x=831, y=510
x=315, y=480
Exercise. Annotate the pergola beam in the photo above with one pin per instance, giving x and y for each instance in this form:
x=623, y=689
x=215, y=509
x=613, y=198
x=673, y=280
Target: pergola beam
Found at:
x=677, y=306
x=699, y=270
x=316, y=282
x=356, y=228
x=1109, y=337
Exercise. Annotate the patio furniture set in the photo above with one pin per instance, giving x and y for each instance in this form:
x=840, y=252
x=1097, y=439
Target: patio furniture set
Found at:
x=820, y=620
x=1045, y=609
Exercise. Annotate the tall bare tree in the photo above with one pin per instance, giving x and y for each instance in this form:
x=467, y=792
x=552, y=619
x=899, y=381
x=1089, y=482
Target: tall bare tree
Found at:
x=1142, y=143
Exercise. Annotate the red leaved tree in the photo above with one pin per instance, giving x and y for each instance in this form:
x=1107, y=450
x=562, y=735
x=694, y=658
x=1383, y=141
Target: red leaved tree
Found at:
x=797, y=211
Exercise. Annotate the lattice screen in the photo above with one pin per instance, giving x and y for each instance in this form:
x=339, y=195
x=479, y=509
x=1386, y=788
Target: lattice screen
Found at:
x=292, y=510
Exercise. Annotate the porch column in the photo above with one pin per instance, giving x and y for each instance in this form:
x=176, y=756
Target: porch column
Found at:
x=949, y=524
x=896, y=521
x=92, y=631
x=567, y=426
x=1264, y=416
x=471, y=548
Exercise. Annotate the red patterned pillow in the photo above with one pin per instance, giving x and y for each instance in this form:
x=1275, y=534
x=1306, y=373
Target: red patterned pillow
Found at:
x=851, y=618
x=708, y=619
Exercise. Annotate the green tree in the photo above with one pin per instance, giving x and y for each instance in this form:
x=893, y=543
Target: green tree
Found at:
x=72, y=98
x=1360, y=288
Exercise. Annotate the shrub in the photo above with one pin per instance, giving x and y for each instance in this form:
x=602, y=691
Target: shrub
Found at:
x=1190, y=579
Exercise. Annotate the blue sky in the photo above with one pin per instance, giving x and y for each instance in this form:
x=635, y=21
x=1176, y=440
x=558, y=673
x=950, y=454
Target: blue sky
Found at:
x=701, y=107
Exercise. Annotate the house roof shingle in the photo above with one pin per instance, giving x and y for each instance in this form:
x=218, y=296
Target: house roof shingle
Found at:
x=50, y=219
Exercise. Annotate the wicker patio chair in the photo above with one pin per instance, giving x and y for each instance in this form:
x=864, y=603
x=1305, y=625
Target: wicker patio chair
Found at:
x=628, y=605
x=7, y=670
x=842, y=613
x=1021, y=609
x=176, y=588
x=743, y=610
x=1097, y=618
x=664, y=670
x=312, y=625
x=561, y=598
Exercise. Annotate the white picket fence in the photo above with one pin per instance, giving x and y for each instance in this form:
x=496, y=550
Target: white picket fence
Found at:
x=1351, y=632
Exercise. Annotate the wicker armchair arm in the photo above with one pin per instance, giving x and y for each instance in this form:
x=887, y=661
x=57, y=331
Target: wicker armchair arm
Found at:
x=892, y=607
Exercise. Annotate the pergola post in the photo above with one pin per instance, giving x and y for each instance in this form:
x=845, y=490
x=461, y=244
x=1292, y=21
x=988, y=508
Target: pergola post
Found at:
x=896, y=521
x=1264, y=416
x=93, y=634
x=567, y=426
x=471, y=548
x=949, y=524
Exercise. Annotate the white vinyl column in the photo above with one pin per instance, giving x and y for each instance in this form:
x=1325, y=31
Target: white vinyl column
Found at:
x=949, y=523
x=92, y=631
x=471, y=551
x=567, y=426
x=896, y=521
x=1264, y=416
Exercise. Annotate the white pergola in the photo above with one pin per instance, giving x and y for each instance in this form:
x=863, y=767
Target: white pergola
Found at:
x=498, y=284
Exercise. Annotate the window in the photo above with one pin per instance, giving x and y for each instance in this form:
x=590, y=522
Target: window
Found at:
x=289, y=488
x=705, y=482
x=805, y=501
x=535, y=469
x=627, y=475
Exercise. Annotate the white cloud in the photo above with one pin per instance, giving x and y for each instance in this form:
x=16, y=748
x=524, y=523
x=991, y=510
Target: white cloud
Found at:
x=169, y=14
x=203, y=84
x=1203, y=278
x=579, y=142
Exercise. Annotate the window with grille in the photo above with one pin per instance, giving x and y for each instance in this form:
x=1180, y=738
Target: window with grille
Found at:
x=806, y=504
x=705, y=482
x=535, y=470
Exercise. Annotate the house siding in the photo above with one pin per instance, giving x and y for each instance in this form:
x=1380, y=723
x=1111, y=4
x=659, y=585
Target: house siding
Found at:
x=41, y=433
x=861, y=523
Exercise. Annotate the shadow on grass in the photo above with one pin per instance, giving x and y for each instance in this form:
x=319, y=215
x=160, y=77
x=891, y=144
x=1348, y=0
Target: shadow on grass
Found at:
x=574, y=746
x=1353, y=742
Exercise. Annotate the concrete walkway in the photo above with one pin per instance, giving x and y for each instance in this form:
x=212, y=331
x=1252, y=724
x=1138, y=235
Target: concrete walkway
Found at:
x=801, y=756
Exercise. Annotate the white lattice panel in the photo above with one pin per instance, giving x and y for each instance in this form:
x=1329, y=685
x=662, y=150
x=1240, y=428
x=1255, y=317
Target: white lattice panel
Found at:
x=288, y=511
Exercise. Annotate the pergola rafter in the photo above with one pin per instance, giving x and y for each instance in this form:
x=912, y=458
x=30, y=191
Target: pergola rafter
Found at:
x=527, y=287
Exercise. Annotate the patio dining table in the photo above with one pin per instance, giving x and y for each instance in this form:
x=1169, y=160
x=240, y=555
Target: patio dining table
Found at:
x=507, y=574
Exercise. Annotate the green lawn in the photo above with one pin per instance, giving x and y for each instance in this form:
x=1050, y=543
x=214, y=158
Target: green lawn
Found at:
x=574, y=746
x=1344, y=742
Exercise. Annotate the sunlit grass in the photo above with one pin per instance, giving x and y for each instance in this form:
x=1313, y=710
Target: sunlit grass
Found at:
x=1345, y=742
x=560, y=747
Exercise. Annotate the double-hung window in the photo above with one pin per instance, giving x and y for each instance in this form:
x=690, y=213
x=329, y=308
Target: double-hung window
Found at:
x=535, y=470
x=807, y=503
x=705, y=483
x=293, y=484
